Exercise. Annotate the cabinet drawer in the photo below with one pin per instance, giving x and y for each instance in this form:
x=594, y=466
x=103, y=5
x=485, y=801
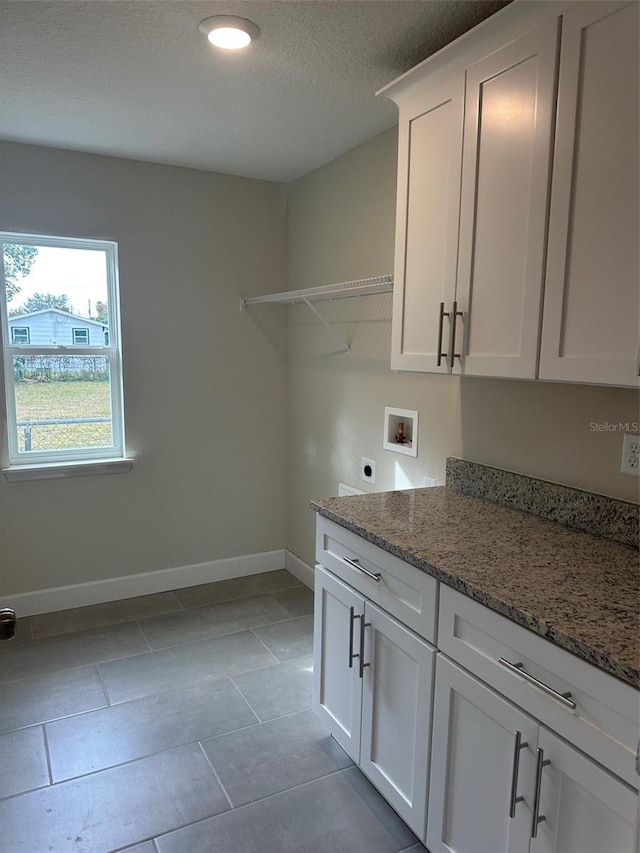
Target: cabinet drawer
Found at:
x=402, y=590
x=604, y=723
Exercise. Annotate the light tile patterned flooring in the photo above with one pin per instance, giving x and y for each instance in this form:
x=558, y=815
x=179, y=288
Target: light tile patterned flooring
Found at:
x=178, y=723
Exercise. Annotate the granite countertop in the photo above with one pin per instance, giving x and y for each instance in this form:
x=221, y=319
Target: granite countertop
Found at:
x=578, y=590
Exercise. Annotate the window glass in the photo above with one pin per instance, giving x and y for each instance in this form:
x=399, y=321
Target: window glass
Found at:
x=62, y=402
x=56, y=294
x=20, y=334
x=81, y=336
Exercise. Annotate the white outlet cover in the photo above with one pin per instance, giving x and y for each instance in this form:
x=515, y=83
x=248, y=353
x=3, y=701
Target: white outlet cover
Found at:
x=370, y=478
x=630, y=455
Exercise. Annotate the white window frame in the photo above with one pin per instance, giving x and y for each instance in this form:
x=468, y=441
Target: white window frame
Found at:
x=15, y=329
x=83, y=332
x=23, y=465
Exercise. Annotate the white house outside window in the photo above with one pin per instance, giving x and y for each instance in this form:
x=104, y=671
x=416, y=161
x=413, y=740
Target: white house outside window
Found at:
x=20, y=335
x=60, y=320
x=81, y=336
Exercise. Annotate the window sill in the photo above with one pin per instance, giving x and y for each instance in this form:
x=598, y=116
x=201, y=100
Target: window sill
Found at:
x=53, y=470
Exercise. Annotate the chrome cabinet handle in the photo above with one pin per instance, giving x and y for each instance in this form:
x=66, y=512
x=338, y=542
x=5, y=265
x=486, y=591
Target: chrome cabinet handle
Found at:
x=514, y=799
x=537, y=817
x=455, y=314
x=440, y=355
x=363, y=625
x=564, y=698
x=352, y=616
x=375, y=576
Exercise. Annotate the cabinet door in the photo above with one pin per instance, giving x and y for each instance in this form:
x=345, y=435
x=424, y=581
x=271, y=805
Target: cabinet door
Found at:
x=396, y=714
x=337, y=691
x=592, y=298
x=586, y=809
x=473, y=768
x=429, y=169
x=509, y=117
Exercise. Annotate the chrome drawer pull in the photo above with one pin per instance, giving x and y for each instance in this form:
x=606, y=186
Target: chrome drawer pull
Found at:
x=440, y=355
x=352, y=616
x=363, y=625
x=565, y=698
x=455, y=314
x=514, y=799
x=537, y=817
x=375, y=576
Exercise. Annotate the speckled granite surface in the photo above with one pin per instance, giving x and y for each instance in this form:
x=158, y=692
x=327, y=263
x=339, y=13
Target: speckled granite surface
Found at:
x=603, y=516
x=578, y=590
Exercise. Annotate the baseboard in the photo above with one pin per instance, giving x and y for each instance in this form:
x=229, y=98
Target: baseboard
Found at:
x=299, y=569
x=145, y=583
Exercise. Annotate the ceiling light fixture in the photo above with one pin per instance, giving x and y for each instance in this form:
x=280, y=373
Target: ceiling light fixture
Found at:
x=229, y=31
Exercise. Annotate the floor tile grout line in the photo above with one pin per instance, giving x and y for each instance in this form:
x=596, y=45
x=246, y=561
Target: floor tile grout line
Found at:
x=103, y=686
x=120, y=621
x=28, y=791
x=182, y=609
x=242, y=806
x=65, y=669
x=146, y=639
x=245, y=698
x=114, y=704
x=266, y=723
x=260, y=640
x=215, y=773
x=149, y=840
x=151, y=651
x=221, y=634
x=99, y=770
x=86, y=712
x=230, y=675
x=47, y=753
x=276, y=793
x=269, y=592
x=239, y=597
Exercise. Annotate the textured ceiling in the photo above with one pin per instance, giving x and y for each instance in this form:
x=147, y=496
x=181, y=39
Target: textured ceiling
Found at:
x=135, y=78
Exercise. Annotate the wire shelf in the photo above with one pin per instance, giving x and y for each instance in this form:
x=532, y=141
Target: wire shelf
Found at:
x=342, y=290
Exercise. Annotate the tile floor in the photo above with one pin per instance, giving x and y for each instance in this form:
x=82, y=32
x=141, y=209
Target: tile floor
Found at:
x=178, y=723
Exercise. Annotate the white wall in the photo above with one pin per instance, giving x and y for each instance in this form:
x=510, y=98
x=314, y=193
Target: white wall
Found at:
x=341, y=226
x=204, y=413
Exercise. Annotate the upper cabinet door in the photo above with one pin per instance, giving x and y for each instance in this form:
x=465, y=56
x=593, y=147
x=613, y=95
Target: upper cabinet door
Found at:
x=590, y=329
x=429, y=170
x=509, y=120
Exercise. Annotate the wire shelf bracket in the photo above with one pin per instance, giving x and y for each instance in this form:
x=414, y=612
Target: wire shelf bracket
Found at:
x=341, y=290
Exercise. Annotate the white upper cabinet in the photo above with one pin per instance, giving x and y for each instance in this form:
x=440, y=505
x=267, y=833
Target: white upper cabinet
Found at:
x=429, y=170
x=509, y=116
x=592, y=297
x=517, y=223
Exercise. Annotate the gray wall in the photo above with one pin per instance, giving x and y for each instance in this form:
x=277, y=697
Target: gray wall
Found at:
x=341, y=226
x=205, y=412
x=218, y=417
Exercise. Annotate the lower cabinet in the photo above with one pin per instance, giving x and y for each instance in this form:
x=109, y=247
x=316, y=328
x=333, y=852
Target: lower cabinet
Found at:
x=502, y=782
x=373, y=685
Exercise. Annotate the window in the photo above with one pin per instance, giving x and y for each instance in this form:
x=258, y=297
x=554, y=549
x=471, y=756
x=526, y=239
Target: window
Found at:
x=20, y=335
x=63, y=406
x=81, y=337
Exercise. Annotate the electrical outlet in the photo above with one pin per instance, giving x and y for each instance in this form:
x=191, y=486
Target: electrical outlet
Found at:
x=630, y=455
x=368, y=470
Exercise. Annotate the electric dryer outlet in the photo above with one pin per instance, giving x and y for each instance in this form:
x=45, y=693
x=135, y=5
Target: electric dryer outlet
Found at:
x=368, y=470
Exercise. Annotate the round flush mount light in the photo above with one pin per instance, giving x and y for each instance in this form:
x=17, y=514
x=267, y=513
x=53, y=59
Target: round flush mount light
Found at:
x=229, y=32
